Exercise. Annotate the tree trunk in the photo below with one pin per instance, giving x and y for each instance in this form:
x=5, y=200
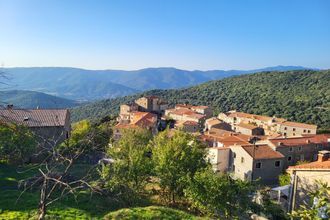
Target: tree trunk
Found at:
x=42, y=202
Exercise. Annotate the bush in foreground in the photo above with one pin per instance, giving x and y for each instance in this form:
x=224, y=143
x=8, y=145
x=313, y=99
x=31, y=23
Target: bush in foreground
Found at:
x=150, y=212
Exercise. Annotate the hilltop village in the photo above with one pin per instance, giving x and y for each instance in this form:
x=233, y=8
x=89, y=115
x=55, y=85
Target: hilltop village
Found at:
x=251, y=147
x=248, y=147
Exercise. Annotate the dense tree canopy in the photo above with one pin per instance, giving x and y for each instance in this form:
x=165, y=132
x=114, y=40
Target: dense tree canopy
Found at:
x=89, y=137
x=131, y=166
x=219, y=195
x=17, y=143
x=301, y=95
x=177, y=156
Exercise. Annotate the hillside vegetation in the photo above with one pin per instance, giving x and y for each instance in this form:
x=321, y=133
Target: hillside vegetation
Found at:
x=302, y=95
x=150, y=212
x=32, y=100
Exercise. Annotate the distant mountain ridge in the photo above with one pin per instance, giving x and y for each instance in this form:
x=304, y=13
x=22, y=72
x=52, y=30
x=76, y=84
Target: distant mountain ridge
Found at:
x=86, y=85
x=32, y=100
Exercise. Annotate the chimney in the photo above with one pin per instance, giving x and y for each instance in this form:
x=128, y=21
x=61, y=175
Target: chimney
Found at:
x=323, y=155
x=10, y=107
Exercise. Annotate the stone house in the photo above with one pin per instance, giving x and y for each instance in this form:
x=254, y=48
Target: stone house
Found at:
x=249, y=162
x=219, y=157
x=125, y=112
x=182, y=115
x=152, y=104
x=212, y=123
x=300, y=148
x=291, y=129
x=248, y=129
x=271, y=125
x=145, y=120
x=200, y=109
x=50, y=126
x=188, y=126
x=304, y=179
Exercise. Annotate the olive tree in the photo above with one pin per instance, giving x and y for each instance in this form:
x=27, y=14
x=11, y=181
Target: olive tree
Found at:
x=177, y=156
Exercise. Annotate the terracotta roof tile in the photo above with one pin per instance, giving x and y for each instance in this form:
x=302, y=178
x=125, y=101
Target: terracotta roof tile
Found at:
x=298, y=141
x=213, y=121
x=262, y=152
x=247, y=126
x=317, y=165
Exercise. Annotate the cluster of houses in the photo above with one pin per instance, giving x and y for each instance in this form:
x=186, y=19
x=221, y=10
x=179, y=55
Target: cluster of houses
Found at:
x=248, y=146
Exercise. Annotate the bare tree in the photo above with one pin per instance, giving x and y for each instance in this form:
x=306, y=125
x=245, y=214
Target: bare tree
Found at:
x=55, y=180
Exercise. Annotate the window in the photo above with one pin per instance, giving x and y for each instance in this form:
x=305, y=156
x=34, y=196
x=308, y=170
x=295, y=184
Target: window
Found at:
x=277, y=163
x=293, y=129
x=299, y=148
x=304, y=131
x=289, y=158
x=234, y=155
x=284, y=134
x=242, y=159
x=290, y=149
x=309, y=131
x=258, y=165
x=285, y=128
x=294, y=134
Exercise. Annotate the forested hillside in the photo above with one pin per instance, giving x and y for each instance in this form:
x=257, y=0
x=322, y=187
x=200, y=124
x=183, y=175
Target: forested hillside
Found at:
x=302, y=96
x=32, y=100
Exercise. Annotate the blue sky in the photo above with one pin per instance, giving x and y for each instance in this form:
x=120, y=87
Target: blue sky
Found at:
x=194, y=34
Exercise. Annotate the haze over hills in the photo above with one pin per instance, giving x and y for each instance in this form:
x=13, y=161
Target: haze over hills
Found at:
x=86, y=85
x=32, y=100
x=301, y=95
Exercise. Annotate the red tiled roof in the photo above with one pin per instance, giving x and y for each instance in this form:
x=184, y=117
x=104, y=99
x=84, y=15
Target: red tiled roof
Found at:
x=233, y=140
x=262, y=152
x=213, y=121
x=140, y=119
x=187, y=112
x=183, y=106
x=35, y=117
x=317, y=165
x=219, y=131
x=144, y=119
x=228, y=139
x=247, y=126
x=298, y=141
